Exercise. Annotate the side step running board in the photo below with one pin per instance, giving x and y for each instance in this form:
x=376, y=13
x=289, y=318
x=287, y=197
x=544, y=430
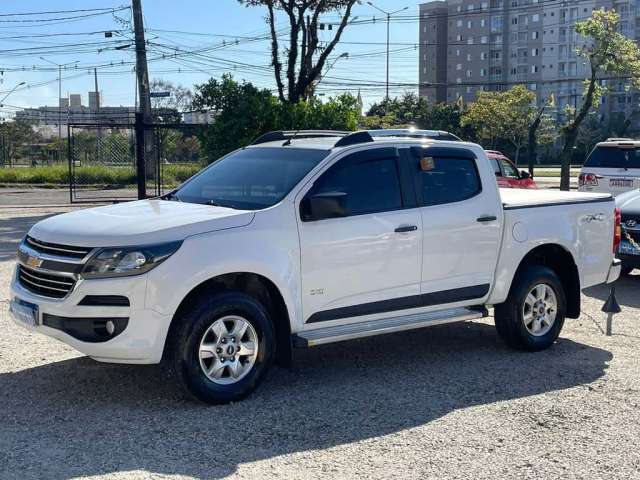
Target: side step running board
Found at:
x=387, y=325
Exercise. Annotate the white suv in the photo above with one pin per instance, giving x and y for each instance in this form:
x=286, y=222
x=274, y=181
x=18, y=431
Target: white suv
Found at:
x=612, y=167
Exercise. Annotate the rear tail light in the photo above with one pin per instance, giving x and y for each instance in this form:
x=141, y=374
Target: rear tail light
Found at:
x=617, y=230
x=588, y=179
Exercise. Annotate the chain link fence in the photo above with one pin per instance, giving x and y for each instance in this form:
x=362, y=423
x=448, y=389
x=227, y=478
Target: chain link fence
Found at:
x=102, y=160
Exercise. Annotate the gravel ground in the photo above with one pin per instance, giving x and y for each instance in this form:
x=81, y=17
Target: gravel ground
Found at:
x=446, y=402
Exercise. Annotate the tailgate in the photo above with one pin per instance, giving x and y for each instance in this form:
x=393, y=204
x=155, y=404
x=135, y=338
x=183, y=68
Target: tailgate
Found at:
x=612, y=180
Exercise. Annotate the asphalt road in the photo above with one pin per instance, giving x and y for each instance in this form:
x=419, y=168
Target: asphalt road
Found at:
x=446, y=402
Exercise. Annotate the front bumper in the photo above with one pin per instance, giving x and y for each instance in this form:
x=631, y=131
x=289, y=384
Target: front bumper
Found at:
x=141, y=340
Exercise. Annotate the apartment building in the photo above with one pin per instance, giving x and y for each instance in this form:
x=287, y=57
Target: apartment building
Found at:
x=468, y=46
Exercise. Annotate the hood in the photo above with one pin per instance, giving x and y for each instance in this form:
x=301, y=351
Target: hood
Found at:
x=137, y=223
x=629, y=202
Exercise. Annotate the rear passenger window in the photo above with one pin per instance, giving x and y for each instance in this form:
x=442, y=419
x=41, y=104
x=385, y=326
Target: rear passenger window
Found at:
x=448, y=180
x=371, y=185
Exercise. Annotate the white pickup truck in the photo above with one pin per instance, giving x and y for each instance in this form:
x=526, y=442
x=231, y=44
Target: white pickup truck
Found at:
x=308, y=238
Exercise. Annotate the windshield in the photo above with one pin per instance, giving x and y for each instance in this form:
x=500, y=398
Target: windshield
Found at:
x=251, y=179
x=612, y=157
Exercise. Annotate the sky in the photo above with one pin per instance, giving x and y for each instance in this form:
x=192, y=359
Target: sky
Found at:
x=225, y=36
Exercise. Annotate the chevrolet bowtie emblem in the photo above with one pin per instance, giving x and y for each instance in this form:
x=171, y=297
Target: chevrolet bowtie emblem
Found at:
x=34, y=262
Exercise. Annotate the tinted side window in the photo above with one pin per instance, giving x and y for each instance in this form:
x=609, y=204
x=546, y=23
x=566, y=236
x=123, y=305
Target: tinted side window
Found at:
x=371, y=185
x=448, y=180
x=509, y=170
x=496, y=166
x=611, y=157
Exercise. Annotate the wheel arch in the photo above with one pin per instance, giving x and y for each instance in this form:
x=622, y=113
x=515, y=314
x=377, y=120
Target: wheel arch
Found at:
x=257, y=286
x=561, y=261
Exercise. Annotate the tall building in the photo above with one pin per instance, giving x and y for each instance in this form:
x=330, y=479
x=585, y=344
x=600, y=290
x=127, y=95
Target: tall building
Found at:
x=94, y=101
x=468, y=46
x=75, y=100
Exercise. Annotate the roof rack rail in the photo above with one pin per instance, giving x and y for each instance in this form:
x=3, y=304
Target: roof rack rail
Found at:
x=355, y=138
x=365, y=136
x=415, y=133
x=615, y=139
x=283, y=135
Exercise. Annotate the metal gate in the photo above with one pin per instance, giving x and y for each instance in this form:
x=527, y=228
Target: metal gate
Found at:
x=103, y=166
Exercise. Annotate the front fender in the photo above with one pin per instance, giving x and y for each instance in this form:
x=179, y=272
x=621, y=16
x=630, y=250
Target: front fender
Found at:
x=264, y=248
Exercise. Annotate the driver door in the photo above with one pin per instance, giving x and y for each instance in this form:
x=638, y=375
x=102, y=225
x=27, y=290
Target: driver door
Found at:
x=365, y=258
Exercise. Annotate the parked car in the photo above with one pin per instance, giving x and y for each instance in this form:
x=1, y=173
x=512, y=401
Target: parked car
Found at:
x=612, y=167
x=629, y=251
x=308, y=238
x=507, y=173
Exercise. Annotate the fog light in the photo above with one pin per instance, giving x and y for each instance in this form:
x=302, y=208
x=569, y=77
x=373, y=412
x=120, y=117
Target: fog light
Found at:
x=110, y=326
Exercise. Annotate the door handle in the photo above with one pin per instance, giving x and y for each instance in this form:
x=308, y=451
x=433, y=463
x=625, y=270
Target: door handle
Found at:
x=487, y=218
x=406, y=229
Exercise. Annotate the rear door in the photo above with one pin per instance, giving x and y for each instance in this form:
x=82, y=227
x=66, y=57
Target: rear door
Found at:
x=616, y=169
x=461, y=220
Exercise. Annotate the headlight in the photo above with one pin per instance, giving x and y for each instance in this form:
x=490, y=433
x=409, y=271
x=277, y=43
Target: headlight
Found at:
x=127, y=261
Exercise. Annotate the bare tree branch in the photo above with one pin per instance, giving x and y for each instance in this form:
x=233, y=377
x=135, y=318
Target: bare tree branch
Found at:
x=275, y=56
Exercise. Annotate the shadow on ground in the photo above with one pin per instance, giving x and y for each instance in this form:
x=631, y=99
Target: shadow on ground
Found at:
x=12, y=229
x=79, y=418
x=627, y=291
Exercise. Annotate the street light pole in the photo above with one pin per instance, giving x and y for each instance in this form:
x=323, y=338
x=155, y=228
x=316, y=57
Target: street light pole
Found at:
x=388, y=14
x=10, y=92
x=59, y=65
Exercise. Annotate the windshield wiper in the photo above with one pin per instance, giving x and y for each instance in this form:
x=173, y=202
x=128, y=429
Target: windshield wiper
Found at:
x=214, y=203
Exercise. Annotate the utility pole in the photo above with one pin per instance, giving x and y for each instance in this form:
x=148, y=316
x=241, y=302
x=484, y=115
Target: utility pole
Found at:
x=98, y=118
x=143, y=117
x=388, y=14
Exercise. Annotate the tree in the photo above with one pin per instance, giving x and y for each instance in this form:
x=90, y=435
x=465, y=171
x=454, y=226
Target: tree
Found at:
x=609, y=54
x=413, y=111
x=306, y=58
x=180, y=99
x=244, y=112
x=504, y=116
x=13, y=136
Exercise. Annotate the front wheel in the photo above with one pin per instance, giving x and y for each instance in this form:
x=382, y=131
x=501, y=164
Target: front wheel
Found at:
x=533, y=315
x=222, y=347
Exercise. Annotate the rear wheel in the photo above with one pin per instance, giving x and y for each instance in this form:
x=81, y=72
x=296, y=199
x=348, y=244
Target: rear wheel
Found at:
x=222, y=347
x=533, y=315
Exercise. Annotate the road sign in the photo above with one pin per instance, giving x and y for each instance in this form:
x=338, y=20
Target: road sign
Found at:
x=159, y=94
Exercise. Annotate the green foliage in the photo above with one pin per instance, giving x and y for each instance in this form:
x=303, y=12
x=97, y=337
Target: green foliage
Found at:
x=413, y=111
x=505, y=116
x=14, y=135
x=608, y=53
x=244, y=112
x=58, y=175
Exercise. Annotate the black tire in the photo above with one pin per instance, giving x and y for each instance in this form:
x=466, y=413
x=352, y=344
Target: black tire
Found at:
x=509, y=315
x=189, y=331
x=626, y=271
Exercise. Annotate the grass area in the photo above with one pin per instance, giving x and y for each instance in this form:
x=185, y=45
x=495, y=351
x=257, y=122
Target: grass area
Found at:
x=552, y=172
x=90, y=175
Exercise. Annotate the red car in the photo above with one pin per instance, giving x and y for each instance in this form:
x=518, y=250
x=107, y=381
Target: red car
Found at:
x=507, y=173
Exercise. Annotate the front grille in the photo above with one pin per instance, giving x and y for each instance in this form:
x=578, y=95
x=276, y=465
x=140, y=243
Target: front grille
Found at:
x=57, y=250
x=45, y=284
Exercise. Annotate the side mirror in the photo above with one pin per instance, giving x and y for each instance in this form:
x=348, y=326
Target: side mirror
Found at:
x=524, y=175
x=324, y=205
